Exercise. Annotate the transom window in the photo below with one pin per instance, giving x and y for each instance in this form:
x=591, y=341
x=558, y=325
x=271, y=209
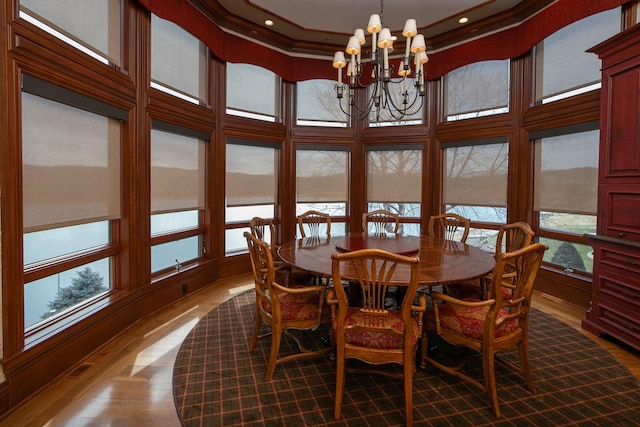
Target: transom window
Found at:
x=253, y=92
x=475, y=90
x=317, y=104
x=92, y=26
x=563, y=68
x=394, y=98
x=178, y=61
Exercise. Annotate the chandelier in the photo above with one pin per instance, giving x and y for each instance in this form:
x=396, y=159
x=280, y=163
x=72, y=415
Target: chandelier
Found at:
x=397, y=97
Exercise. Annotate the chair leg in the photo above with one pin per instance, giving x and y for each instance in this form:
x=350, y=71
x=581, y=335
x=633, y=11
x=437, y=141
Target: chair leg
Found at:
x=332, y=342
x=408, y=391
x=340, y=372
x=256, y=330
x=488, y=370
x=523, y=350
x=276, y=336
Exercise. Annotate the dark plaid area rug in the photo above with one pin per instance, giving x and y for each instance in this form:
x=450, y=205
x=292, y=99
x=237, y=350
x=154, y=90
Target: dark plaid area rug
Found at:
x=217, y=383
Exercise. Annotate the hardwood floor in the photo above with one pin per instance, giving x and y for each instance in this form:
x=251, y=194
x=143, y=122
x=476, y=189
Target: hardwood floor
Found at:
x=128, y=382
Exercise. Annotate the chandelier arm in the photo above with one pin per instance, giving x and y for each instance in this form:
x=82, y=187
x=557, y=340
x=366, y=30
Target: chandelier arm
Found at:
x=355, y=112
x=406, y=110
x=368, y=106
x=395, y=112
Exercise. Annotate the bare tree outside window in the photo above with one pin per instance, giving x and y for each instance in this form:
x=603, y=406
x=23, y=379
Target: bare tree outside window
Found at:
x=476, y=90
x=394, y=183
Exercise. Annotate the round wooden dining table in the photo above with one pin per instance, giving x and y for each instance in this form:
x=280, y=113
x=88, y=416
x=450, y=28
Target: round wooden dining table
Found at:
x=441, y=261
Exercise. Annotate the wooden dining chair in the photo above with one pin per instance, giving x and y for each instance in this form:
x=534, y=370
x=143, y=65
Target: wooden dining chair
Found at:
x=311, y=223
x=281, y=307
x=449, y=226
x=380, y=222
x=371, y=333
x=511, y=237
x=264, y=230
x=492, y=325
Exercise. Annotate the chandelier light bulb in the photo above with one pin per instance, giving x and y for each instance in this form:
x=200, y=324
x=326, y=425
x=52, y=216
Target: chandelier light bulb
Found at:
x=422, y=57
x=338, y=60
x=375, y=25
x=410, y=28
x=353, y=47
x=385, y=38
x=418, y=45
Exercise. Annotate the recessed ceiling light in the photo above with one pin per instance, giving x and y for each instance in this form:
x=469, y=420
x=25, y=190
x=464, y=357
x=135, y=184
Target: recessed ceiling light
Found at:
x=268, y=22
x=463, y=20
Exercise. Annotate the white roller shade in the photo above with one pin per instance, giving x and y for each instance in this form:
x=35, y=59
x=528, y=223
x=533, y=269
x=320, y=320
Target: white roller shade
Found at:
x=394, y=176
x=566, y=173
x=476, y=175
x=251, y=177
x=321, y=176
x=70, y=165
x=177, y=172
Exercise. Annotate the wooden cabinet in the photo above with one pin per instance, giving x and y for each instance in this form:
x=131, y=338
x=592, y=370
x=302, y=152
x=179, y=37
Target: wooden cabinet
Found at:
x=615, y=304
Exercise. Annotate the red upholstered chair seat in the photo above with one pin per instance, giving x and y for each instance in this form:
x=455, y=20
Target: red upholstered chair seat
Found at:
x=469, y=321
x=393, y=320
x=296, y=306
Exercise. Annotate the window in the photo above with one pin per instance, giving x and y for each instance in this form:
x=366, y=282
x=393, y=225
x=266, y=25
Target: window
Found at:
x=475, y=186
x=252, y=92
x=252, y=169
x=565, y=195
x=177, y=196
x=563, y=67
x=71, y=196
x=317, y=104
x=93, y=26
x=476, y=90
x=394, y=183
x=178, y=61
x=383, y=117
x=322, y=183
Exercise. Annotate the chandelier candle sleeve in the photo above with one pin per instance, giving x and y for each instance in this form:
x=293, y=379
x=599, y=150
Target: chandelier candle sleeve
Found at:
x=374, y=28
x=339, y=62
x=385, y=42
x=410, y=30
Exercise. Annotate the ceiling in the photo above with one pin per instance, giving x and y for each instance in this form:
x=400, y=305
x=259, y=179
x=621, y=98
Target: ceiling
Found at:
x=324, y=25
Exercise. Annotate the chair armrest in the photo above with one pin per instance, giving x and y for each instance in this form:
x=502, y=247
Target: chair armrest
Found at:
x=451, y=300
x=300, y=290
